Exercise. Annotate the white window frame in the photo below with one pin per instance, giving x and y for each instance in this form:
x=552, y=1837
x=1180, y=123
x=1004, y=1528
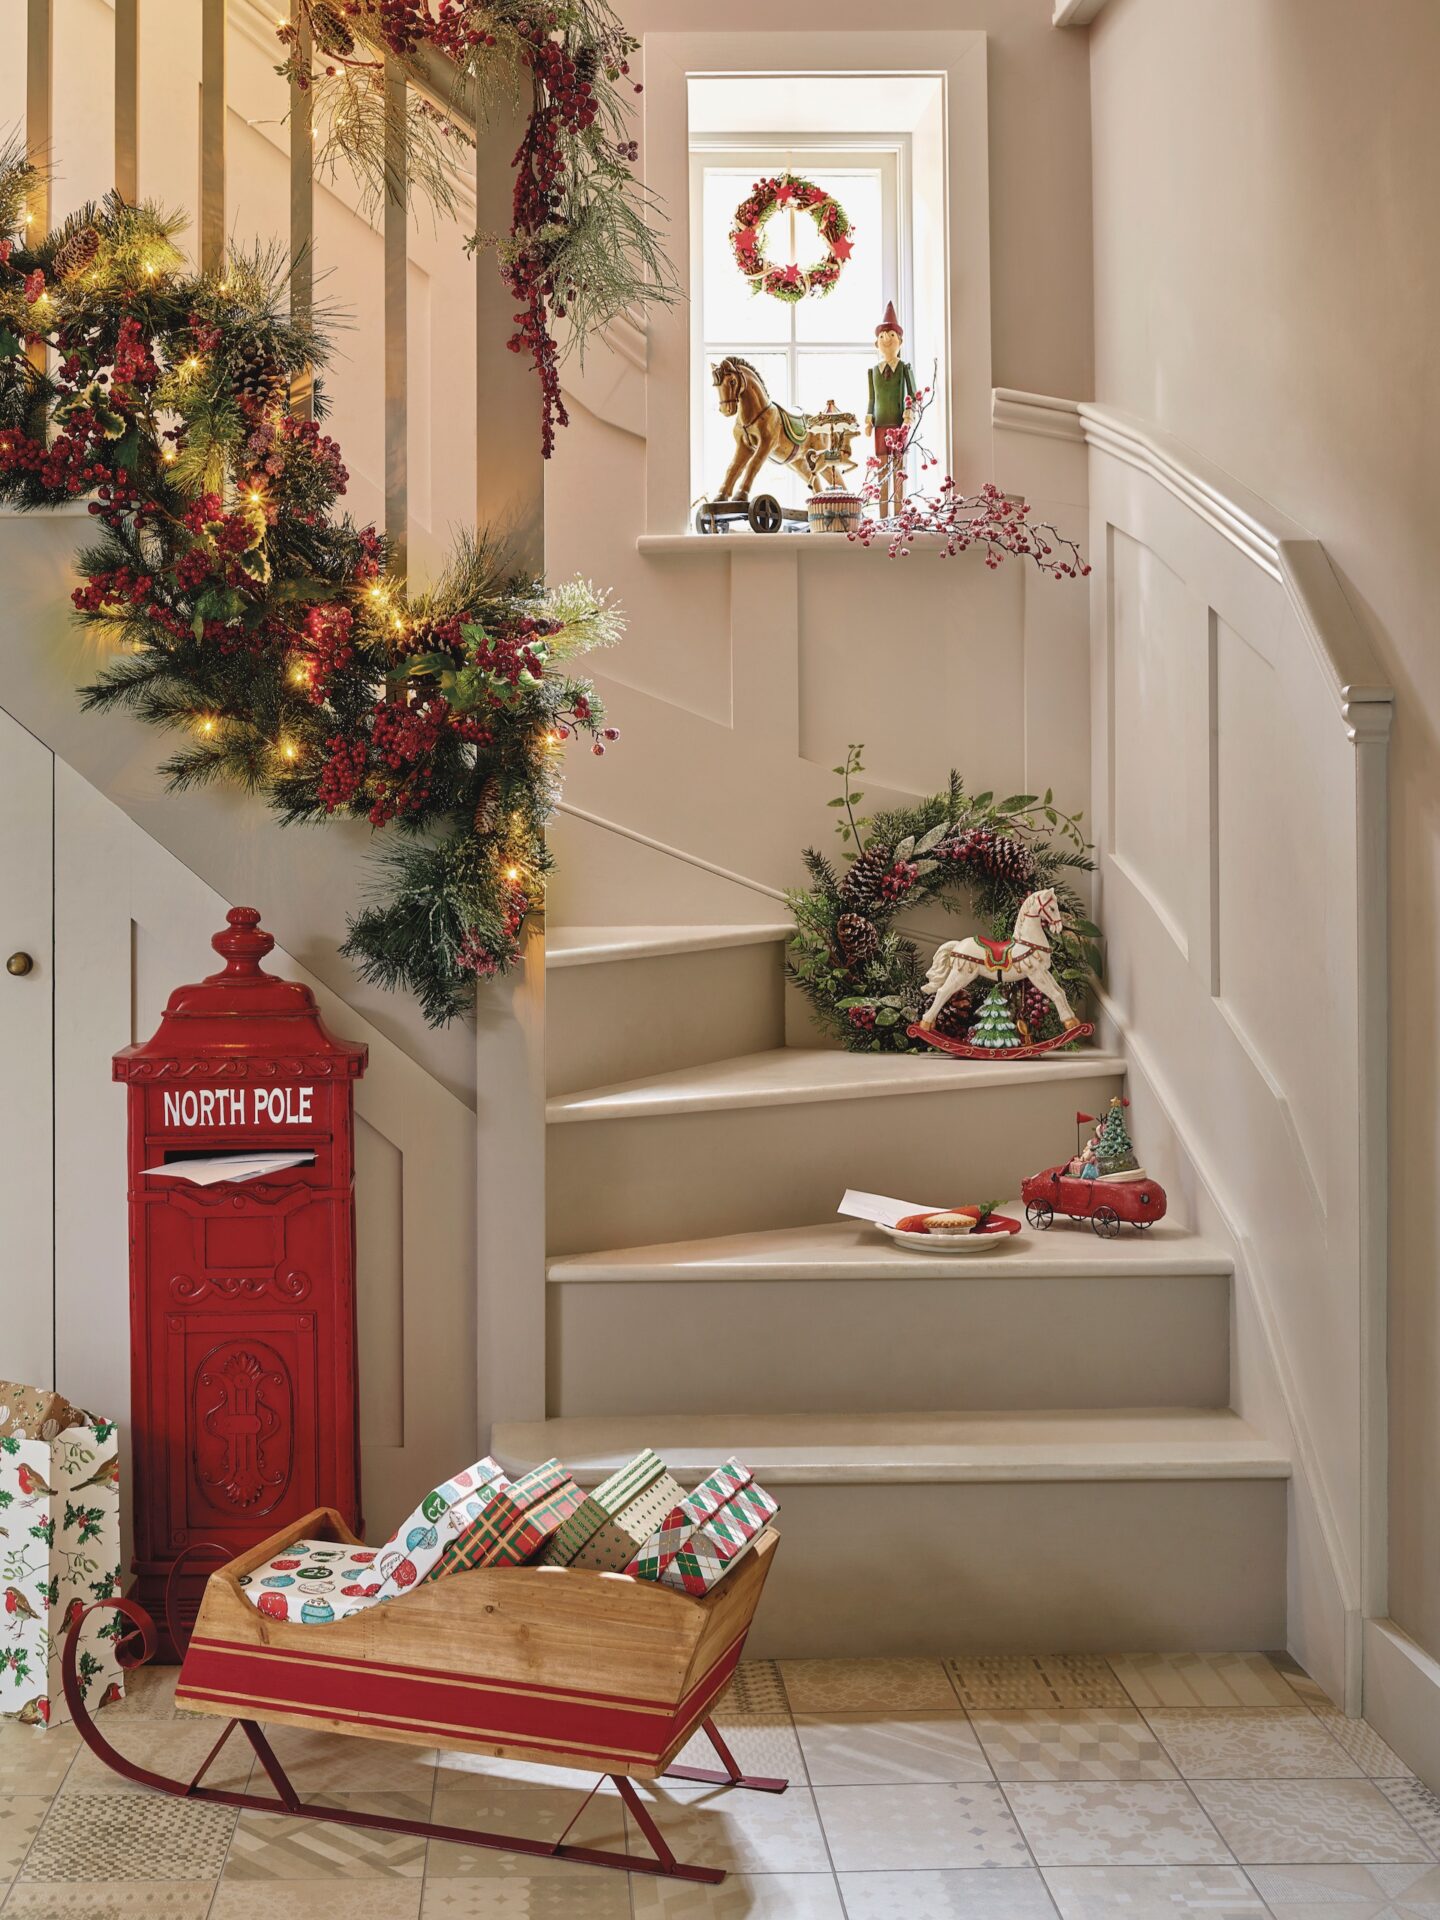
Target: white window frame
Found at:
x=758, y=156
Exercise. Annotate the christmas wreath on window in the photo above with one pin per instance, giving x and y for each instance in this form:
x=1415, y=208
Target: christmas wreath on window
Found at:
x=747, y=237
x=864, y=977
x=250, y=618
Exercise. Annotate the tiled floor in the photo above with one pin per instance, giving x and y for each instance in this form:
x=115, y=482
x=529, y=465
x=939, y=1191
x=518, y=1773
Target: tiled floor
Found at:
x=1048, y=1788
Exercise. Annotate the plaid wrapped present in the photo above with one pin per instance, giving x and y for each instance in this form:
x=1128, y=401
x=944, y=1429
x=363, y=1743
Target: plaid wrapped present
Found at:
x=316, y=1581
x=603, y=1504
x=698, y=1542
x=512, y=1527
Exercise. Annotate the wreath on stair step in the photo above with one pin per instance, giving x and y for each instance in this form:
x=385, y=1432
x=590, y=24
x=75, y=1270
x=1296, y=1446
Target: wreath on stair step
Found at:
x=245, y=614
x=861, y=968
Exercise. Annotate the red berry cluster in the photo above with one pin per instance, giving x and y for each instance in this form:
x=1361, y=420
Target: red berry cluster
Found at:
x=899, y=880
x=328, y=632
x=343, y=773
x=67, y=466
x=863, y=1018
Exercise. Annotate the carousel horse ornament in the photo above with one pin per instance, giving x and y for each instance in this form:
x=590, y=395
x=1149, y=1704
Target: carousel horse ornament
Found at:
x=764, y=430
x=1022, y=960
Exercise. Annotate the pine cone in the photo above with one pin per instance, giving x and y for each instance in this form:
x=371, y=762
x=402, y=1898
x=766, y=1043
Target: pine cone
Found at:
x=487, y=807
x=862, y=882
x=1004, y=855
x=258, y=379
x=77, y=253
x=857, y=937
x=955, y=1017
x=329, y=30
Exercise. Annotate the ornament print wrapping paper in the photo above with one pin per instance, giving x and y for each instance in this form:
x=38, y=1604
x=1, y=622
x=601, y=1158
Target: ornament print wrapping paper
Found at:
x=59, y=1550
x=316, y=1581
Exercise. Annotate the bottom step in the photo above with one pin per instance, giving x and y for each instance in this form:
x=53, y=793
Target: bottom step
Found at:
x=989, y=1532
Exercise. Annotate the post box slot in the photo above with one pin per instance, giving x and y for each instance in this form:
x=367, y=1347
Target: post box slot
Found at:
x=207, y=1168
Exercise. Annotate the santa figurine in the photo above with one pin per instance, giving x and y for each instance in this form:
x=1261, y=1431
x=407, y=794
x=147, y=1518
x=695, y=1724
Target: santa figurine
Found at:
x=889, y=412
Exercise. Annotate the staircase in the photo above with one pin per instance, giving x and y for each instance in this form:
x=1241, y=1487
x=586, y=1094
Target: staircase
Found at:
x=1030, y=1448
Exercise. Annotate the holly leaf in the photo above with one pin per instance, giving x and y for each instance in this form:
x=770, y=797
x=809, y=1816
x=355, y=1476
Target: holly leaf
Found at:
x=218, y=603
x=932, y=838
x=1018, y=802
x=905, y=849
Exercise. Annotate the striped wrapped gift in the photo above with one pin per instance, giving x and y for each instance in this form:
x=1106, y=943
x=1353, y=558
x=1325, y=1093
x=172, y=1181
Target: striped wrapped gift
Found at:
x=545, y=1497
x=613, y=1543
x=612, y=1496
x=705, y=1534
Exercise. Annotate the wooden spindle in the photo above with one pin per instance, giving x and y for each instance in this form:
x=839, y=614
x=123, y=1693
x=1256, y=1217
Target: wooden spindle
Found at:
x=212, y=134
x=302, y=199
x=127, y=99
x=397, y=248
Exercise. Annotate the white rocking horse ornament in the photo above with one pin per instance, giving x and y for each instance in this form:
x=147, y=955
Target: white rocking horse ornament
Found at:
x=1024, y=960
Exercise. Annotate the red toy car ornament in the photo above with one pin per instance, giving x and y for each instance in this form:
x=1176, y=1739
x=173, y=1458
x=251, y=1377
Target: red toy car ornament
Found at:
x=1104, y=1203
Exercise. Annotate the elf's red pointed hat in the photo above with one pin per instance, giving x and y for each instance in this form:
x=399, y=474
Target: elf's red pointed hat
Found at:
x=891, y=322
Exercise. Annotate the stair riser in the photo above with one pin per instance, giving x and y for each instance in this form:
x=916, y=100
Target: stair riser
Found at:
x=1078, y=1566
x=876, y=1346
x=617, y=1183
x=625, y=1019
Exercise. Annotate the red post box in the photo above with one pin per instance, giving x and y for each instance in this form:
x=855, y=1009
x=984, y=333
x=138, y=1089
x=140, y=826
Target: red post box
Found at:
x=242, y=1292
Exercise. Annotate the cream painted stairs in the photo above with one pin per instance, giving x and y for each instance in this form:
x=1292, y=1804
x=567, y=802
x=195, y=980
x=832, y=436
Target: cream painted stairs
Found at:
x=1032, y=1448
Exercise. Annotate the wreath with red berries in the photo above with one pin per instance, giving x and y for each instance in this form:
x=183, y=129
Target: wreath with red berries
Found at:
x=249, y=616
x=747, y=237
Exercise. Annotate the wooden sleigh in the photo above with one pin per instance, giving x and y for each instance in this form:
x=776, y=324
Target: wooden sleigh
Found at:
x=595, y=1671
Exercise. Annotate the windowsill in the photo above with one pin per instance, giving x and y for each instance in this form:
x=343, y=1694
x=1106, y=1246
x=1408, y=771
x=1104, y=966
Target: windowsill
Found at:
x=726, y=545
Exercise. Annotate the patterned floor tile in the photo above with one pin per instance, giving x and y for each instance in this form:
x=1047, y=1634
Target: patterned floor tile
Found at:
x=891, y=1829
x=1350, y=1893
x=1203, y=1680
x=338, y=1763
x=857, y=1749
x=589, y=1895
x=277, y=1846
x=1153, y=1893
x=150, y=1695
x=20, y=1817
x=1002, y=1680
x=121, y=1900
x=454, y=1769
x=537, y=1813
x=1419, y=1806
x=1249, y=1743
x=761, y=1743
x=755, y=1688
x=742, y=1832
x=175, y=1748
x=1116, y=1823
x=263, y=1900
x=1320, y=1822
x=1071, y=1743
x=105, y=1837
x=1004, y=1893
x=752, y=1896
x=1361, y=1741
x=35, y=1759
x=866, y=1686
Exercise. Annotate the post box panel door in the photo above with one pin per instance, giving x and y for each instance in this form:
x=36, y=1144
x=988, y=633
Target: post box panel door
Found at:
x=246, y=1390
x=257, y=1241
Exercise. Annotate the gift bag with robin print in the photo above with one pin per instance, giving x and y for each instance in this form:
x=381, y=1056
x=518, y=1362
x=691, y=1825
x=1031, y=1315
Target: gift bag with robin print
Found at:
x=59, y=1550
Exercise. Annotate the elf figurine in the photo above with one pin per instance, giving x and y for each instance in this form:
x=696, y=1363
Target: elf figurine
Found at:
x=890, y=411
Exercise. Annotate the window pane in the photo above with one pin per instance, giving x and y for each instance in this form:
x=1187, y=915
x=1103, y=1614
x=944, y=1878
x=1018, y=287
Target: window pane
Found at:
x=852, y=308
x=731, y=311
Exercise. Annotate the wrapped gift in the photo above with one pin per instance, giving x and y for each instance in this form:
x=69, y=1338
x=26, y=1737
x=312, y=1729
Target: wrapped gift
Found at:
x=702, y=1537
x=59, y=1550
x=317, y=1580
x=627, y=1485
x=515, y=1525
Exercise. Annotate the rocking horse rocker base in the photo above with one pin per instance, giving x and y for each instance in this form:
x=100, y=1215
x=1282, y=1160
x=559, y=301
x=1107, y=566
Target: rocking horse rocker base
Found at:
x=631, y=1671
x=1032, y=1049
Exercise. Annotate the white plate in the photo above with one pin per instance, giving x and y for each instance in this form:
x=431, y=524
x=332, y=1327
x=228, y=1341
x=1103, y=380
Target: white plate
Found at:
x=952, y=1243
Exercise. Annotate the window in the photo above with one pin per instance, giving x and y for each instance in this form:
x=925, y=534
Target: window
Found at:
x=812, y=351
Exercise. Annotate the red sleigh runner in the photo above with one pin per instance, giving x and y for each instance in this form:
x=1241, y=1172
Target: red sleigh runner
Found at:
x=600, y=1672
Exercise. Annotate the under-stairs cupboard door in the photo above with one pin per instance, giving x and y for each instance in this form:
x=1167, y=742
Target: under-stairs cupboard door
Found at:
x=27, y=1011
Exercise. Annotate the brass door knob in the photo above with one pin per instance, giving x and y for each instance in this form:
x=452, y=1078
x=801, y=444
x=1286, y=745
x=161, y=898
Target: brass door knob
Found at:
x=19, y=963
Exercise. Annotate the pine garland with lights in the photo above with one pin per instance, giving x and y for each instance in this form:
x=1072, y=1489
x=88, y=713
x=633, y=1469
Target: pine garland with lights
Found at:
x=253, y=618
x=965, y=852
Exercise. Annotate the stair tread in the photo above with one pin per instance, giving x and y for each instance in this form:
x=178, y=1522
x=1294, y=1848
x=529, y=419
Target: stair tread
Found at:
x=792, y=1449
x=788, y=1076
x=850, y=1250
x=588, y=946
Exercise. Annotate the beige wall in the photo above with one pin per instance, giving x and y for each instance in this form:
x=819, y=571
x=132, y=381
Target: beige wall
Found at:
x=1039, y=160
x=1267, y=281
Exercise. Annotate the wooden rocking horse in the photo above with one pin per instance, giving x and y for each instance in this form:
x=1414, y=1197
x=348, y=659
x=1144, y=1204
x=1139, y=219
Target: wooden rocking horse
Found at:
x=601, y=1672
x=764, y=430
x=1022, y=960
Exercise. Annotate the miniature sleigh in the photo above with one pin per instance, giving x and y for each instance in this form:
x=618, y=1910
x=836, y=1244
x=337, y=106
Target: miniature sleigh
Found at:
x=597, y=1671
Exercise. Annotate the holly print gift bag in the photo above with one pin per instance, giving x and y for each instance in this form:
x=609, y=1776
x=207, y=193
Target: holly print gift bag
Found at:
x=59, y=1550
